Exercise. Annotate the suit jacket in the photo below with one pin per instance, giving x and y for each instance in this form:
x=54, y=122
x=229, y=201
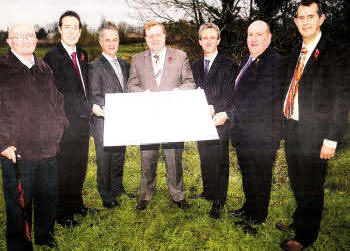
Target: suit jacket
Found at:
x=322, y=92
x=67, y=80
x=102, y=80
x=176, y=72
x=218, y=85
x=256, y=110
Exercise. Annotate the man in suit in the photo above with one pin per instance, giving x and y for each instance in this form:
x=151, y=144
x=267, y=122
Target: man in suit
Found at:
x=315, y=112
x=160, y=68
x=69, y=64
x=255, y=116
x=215, y=74
x=107, y=74
x=33, y=126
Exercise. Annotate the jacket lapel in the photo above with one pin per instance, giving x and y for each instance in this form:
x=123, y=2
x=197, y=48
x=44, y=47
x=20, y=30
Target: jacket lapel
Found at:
x=111, y=71
x=149, y=70
x=320, y=47
x=166, y=66
x=125, y=74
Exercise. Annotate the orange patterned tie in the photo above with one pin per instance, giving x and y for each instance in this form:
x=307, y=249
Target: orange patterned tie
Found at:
x=293, y=89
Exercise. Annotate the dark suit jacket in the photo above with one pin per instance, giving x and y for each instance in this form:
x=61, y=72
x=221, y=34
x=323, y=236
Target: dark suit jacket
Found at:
x=256, y=110
x=322, y=92
x=102, y=80
x=218, y=85
x=67, y=81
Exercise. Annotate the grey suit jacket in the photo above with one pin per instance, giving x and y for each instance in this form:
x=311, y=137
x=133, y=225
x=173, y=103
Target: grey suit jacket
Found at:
x=102, y=80
x=176, y=72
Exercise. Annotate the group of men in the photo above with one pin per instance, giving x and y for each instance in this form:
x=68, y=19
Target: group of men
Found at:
x=46, y=108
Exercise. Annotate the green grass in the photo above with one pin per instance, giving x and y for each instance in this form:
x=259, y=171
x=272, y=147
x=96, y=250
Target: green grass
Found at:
x=163, y=226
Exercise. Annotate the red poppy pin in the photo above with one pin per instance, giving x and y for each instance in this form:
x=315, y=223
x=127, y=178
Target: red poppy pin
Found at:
x=257, y=60
x=317, y=52
x=170, y=58
x=82, y=57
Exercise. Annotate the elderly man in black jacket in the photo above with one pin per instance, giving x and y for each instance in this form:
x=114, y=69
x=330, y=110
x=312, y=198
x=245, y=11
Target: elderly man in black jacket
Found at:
x=215, y=74
x=107, y=74
x=256, y=118
x=32, y=120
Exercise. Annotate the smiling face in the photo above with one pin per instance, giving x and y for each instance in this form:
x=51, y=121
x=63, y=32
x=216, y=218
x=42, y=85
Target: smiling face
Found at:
x=70, y=30
x=109, y=42
x=258, y=38
x=155, y=38
x=22, y=40
x=309, y=22
x=209, y=41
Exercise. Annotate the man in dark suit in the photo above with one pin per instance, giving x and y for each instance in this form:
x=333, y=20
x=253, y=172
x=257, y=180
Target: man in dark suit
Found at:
x=315, y=111
x=215, y=74
x=160, y=68
x=69, y=64
x=107, y=74
x=255, y=116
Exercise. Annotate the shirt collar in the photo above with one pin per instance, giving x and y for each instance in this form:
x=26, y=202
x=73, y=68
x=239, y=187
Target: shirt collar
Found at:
x=212, y=57
x=311, y=46
x=69, y=49
x=161, y=54
x=23, y=61
x=109, y=58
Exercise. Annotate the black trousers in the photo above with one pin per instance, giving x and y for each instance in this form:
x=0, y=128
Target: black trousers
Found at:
x=72, y=163
x=307, y=172
x=110, y=164
x=39, y=184
x=256, y=170
x=214, y=156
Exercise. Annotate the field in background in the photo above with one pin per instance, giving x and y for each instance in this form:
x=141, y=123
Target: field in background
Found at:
x=163, y=225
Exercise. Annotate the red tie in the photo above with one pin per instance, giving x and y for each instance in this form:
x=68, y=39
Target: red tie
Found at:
x=74, y=59
x=293, y=89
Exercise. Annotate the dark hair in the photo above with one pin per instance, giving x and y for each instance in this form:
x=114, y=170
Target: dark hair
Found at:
x=309, y=2
x=69, y=13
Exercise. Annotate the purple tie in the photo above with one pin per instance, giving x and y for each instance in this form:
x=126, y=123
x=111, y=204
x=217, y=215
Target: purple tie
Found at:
x=206, y=66
x=74, y=59
x=250, y=60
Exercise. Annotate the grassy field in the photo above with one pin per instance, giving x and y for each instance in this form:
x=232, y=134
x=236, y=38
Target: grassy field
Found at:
x=163, y=226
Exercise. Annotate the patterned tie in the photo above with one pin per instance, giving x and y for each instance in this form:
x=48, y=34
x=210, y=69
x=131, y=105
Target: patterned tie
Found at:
x=206, y=66
x=118, y=71
x=293, y=89
x=250, y=60
x=157, y=69
x=74, y=59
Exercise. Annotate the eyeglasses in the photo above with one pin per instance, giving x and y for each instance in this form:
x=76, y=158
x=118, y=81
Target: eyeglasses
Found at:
x=153, y=36
x=29, y=36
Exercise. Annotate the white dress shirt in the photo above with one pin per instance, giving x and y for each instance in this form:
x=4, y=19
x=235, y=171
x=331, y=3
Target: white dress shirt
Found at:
x=111, y=61
x=70, y=50
x=159, y=65
x=211, y=59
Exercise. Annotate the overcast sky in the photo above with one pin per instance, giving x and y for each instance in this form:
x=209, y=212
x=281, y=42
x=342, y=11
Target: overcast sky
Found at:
x=44, y=12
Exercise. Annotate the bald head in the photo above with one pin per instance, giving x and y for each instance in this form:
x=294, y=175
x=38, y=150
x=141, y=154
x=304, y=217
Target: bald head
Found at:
x=22, y=40
x=258, y=38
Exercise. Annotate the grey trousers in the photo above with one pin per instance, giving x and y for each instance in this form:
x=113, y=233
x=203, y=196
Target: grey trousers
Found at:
x=172, y=154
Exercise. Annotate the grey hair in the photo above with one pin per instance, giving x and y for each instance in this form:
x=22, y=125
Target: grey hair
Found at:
x=109, y=27
x=208, y=25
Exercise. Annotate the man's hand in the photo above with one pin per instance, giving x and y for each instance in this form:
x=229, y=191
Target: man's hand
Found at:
x=97, y=110
x=211, y=110
x=220, y=118
x=327, y=152
x=10, y=153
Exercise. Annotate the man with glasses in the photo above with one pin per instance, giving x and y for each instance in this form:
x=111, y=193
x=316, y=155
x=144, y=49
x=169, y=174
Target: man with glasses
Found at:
x=69, y=64
x=31, y=125
x=160, y=69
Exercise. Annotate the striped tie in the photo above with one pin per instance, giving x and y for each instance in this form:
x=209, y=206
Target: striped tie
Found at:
x=293, y=89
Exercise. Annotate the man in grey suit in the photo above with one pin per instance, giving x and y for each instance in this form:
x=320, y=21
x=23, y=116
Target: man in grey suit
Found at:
x=107, y=74
x=160, y=68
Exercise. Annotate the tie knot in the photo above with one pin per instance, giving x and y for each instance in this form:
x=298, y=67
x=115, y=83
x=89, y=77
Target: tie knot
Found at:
x=156, y=57
x=304, y=50
x=115, y=61
x=74, y=54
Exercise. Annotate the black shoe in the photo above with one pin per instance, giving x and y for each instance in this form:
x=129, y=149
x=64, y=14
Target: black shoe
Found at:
x=242, y=213
x=49, y=242
x=215, y=211
x=182, y=204
x=67, y=222
x=111, y=204
x=285, y=227
x=131, y=195
x=84, y=210
x=142, y=205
